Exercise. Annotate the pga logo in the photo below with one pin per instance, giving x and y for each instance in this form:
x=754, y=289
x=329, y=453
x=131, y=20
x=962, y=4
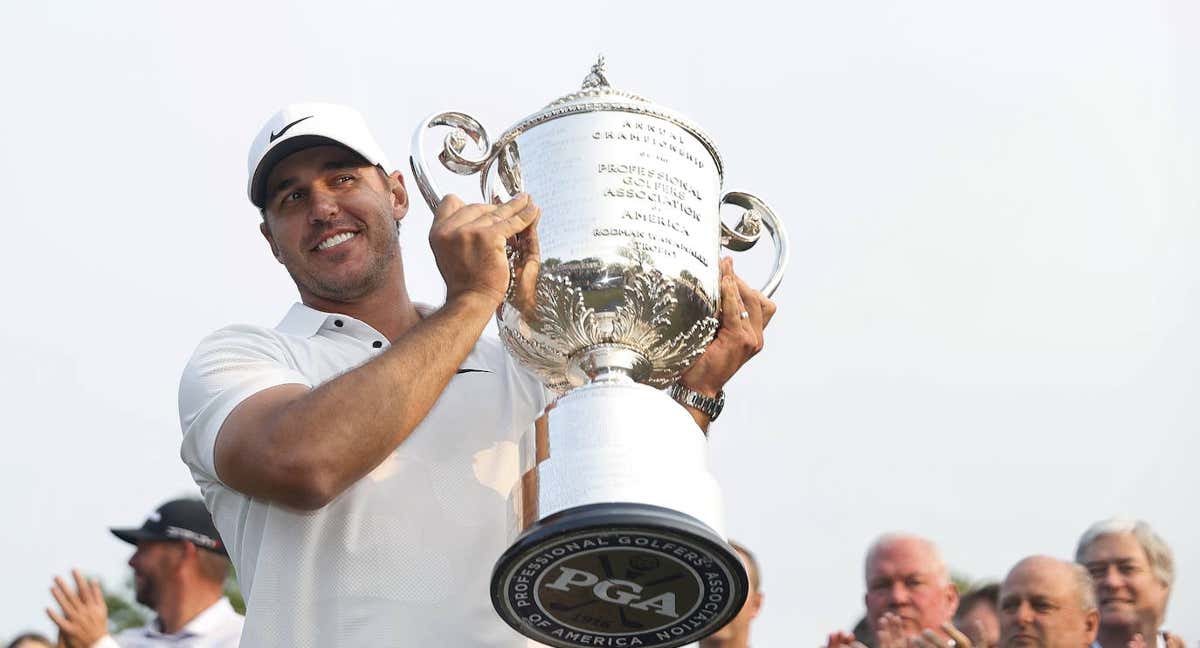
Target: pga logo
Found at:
x=615, y=590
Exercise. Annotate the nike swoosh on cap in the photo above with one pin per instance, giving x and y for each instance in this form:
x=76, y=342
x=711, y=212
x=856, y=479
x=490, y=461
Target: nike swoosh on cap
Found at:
x=275, y=136
x=463, y=371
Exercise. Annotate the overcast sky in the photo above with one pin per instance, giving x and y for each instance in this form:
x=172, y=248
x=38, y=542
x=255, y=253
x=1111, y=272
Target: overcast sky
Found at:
x=988, y=334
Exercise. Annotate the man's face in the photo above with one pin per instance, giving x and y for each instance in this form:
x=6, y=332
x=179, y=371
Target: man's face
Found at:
x=330, y=218
x=904, y=577
x=1041, y=607
x=1129, y=593
x=154, y=564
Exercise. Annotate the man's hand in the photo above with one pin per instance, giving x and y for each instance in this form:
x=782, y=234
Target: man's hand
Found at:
x=890, y=632
x=952, y=639
x=468, y=243
x=84, y=618
x=843, y=640
x=745, y=312
x=1174, y=640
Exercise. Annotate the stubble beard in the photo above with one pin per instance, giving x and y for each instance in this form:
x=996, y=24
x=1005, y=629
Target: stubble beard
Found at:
x=350, y=288
x=145, y=594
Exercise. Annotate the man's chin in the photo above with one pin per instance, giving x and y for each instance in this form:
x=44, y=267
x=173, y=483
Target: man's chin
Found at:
x=724, y=634
x=1118, y=614
x=1022, y=641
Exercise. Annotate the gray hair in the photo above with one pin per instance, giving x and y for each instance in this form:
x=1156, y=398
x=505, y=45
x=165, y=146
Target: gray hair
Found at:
x=882, y=541
x=1083, y=582
x=1158, y=554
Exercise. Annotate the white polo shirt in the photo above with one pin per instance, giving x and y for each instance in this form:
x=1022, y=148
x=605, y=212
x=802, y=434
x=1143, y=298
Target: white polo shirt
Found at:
x=218, y=626
x=404, y=556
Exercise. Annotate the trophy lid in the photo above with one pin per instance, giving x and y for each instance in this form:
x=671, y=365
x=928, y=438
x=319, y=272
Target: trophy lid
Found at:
x=596, y=94
x=596, y=86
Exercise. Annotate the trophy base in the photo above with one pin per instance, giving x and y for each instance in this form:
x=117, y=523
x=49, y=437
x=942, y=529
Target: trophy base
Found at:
x=618, y=574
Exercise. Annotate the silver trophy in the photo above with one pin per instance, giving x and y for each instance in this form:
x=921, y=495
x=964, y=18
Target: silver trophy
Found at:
x=617, y=535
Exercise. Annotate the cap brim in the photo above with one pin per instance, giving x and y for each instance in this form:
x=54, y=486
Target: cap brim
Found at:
x=278, y=152
x=133, y=536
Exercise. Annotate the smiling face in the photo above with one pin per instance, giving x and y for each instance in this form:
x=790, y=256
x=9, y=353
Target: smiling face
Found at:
x=1041, y=606
x=906, y=577
x=330, y=218
x=1129, y=593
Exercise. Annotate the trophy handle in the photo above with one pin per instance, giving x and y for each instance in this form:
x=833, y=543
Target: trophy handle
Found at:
x=749, y=230
x=465, y=127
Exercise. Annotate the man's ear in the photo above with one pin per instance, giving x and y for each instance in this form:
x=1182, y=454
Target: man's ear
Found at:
x=266, y=232
x=756, y=600
x=1091, y=623
x=399, y=195
x=952, y=597
x=188, y=556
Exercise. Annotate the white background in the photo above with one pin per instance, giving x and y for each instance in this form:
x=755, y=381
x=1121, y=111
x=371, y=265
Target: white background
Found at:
x=988, y=334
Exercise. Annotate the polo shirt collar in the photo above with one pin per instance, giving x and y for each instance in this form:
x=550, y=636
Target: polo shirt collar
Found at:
x=211, y=620
x=304, y=321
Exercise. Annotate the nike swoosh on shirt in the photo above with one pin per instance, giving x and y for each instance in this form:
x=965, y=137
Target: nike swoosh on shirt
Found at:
x=275, y=136
x=463, y=371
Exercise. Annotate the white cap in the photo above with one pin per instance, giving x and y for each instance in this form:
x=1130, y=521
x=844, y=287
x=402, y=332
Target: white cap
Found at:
x=300, y=126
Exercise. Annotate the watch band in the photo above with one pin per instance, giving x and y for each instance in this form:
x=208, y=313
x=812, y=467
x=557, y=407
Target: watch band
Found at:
x=710, y=406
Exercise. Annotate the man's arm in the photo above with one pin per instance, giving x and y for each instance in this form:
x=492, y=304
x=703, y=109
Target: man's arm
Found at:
x=302, y=447
x=738, y=339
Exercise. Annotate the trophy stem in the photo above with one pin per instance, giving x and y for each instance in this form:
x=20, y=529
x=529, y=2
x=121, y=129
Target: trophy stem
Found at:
x=608, y=363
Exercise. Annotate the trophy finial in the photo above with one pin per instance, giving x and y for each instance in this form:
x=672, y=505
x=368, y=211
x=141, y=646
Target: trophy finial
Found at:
x=596, y=78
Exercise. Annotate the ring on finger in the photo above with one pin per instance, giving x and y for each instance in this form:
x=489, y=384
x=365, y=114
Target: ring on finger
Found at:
x=744, y=314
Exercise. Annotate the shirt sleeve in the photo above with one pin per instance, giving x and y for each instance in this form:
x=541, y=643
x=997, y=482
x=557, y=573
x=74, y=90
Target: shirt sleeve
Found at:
x=105, y=642
x=228, y=367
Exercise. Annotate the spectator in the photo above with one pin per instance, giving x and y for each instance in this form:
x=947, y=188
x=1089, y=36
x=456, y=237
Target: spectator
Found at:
x=909, y=595
x=736, y=633
x=179, y=571
x=30, y=640
x=1047, y=603
x=1133, y=570
x=978, y=615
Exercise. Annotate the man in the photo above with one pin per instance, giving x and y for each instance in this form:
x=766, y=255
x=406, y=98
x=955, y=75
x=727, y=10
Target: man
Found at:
x=179, y=571
x=358, y=456
x=909, y=594
x=1133, y=570
x=978, y=615
x=736, y=633
x=1047, y=603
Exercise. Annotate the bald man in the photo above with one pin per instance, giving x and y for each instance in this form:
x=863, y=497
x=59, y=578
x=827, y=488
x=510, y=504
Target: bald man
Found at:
x=1047, y=603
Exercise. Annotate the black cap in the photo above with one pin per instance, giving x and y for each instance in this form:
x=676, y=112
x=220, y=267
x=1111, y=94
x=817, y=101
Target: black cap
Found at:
x=181, y=519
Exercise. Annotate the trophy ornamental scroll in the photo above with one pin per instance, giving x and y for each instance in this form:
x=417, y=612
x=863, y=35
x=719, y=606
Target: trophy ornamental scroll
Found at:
x=617, y=537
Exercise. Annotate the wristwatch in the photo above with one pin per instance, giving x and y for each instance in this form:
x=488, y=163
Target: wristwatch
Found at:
x=710, y=406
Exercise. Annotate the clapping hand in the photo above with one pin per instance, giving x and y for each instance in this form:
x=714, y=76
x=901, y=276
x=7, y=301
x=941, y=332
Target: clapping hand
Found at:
x=843, y=640
x=84, y=617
